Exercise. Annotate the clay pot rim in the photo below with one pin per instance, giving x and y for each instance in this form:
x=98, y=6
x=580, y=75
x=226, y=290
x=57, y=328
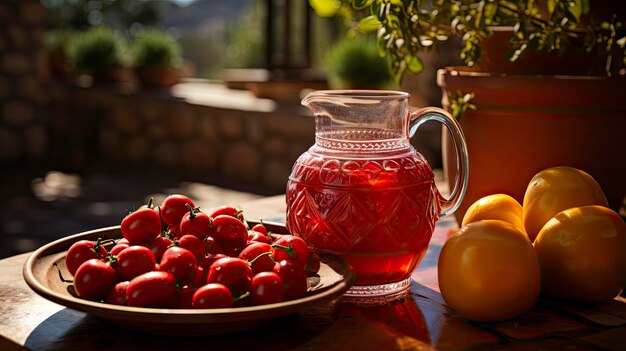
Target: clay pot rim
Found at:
x=468, y=72
x=536, y=91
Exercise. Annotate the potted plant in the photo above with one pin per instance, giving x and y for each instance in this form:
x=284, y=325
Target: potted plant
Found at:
x=544, y=83
x=99, y=52
x=156, y=59
x=354, y=63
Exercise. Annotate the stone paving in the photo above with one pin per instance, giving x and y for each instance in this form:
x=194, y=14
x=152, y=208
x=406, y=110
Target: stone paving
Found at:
x=41, y=206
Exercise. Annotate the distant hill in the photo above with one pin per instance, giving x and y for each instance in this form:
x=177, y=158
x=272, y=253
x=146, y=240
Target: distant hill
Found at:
x=200, y=13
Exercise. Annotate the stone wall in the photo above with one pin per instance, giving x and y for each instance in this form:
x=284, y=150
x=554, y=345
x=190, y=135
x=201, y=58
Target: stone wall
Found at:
x=249, y=149
x=23, y=120
x=237, y=146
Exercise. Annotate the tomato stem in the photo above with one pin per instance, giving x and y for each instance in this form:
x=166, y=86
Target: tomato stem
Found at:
x=241, y=297
x=101, y=242
x=192, y=213
x=166, y=233
x=237, y=214
x=174, y=243
x=111, y=260
x=288, y=250
x=268, y=253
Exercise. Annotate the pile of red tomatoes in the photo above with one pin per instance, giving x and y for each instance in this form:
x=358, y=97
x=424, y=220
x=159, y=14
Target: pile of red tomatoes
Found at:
x=176, y=256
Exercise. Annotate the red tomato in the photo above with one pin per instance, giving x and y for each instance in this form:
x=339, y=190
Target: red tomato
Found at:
x=258, y=256
x=185, y=296
x=181, y=263
x=227, y=210
x=152, y=289
x=94, y=280
x=141, y=227
x=174, y=208
x=158, y=247
x=209, y=246
x=266, y=288
x=209, y=259
x=134, y=261
x=199, y=279
x=260, y=228
x=234, y=251
x=174, y=231
x=229, y=232
x=232, y=272
x=82, y=251
x=195, y=223
x=289, y=247
x=117, y=296
x=118, y=248
x=294, y=278
x=193, y=244
x=258, y=237
x=212, y=296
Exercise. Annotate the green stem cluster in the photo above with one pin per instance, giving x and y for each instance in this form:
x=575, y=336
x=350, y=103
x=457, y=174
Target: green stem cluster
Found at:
x=405, y=28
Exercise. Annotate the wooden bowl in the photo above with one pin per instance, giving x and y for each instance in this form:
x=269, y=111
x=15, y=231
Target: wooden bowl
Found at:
x=41, y=273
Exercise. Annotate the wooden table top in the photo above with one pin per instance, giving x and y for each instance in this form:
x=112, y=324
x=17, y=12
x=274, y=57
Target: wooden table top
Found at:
x=421, y=321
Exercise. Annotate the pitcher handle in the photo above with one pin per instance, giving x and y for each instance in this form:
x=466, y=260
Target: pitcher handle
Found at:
x=426, y=114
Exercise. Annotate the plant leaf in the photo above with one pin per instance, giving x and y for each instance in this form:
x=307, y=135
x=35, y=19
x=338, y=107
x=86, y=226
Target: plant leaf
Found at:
x=398, y=75
x=415, y=64
x=551, y=4
x=380, y=42
x=325, y=8
x=579, y=8
x=490, y=11
x=361, y=4
x=459, y=103
x=368, y=24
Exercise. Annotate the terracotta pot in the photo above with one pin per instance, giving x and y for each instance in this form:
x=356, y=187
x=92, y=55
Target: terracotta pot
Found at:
x=158, y=77
x=573, y=60
x=524, y=124
x=116, y=75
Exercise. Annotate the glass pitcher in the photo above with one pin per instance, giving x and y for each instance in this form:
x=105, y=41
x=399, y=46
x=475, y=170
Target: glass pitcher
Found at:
x=363, y=192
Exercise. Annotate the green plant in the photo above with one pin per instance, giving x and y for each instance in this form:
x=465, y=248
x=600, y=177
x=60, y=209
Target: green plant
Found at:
x=459, y=103
x=97, y=49
x=156, y=48
x=404, y=28
x=355, y=61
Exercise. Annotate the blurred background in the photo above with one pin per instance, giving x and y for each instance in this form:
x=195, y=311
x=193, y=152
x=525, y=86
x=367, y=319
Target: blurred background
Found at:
x=105, y=103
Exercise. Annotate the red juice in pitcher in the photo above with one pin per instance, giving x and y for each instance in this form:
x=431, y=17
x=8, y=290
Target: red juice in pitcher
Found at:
x=378, y=215
x=364, y=193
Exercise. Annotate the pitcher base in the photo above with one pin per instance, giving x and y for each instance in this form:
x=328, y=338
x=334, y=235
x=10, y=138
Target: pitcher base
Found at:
x=376, y=294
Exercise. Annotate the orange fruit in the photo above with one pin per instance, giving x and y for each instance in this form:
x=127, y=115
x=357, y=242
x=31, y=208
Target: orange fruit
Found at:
x=554, y=190
x=496, y=206
x=582, y=253
x=489, y=271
